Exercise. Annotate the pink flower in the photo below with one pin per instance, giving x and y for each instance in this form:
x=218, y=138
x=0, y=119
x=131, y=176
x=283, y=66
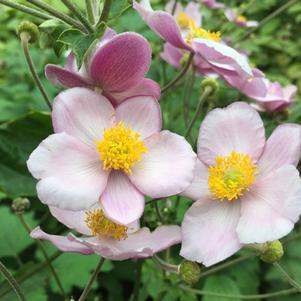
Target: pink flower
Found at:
x=239, y=19
x=247, y=190
x=212, y=4
x=277, y=97
x=107, y=155
x=116, y=67
x=106, y=238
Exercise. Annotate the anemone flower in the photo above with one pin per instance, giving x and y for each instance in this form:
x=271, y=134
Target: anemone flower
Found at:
x=107, y=155
x=240, y=20
x=116, y=67
x=110, y=240
x=212, y=4
x=247, y=190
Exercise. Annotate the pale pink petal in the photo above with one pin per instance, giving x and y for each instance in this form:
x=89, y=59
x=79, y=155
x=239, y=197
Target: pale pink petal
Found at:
x=140, y=244
x=199, y=187
x=193, y=11
x=169, y=7
x=83, y=114
x=162, y=23
x=270, y=209
x=122, y=202
x=146, y=87
x=251, y=23
x=230, y=14
x=142, y=114
x=208, y=231
x=121, y=62
x=70, y=173
x=172, y=55
x=213, y=4
x=167, y=166
x=282, y=147
x=237, y=127
x=63, y=243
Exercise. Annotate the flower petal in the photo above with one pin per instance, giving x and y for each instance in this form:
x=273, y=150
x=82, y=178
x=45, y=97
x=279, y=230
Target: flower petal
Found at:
x=235, y=128
x=121, y=62
x=167, y=167
x=142, y=114
x=270, y=209
x=208, y=231
x=282, y=147
x=172, y=55
x=162, y=23
x=199, y=187
x=70, y=173
x=121, y=201
x=83, y=114
x=63, y=243
x=140, y=244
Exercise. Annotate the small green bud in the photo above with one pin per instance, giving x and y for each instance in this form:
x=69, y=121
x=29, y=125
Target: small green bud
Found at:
x=19, y=205
x=190, y=272
x=30, y=28
x=272, y=251
x=211, y=83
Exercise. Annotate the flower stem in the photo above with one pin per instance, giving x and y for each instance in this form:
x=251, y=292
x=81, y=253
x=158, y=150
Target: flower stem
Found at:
x=165, y=265
x=137, y=280
x=105, y=12
x=250, y=297
x=204, y=96
x=79, y=15
x=90, y=11
x=180, y=75
x=12, y=281
x=93, y=277
x=25, y=9
x=58, y=14
x=187, y=94
x=268, y=18
x=174, y=7
x=41, y=246
x=24, y=42
x=287, y=276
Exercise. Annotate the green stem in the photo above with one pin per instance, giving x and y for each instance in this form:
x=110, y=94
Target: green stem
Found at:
x=180, y=75
x=204, y=96
x=174, y=7
x=90, y=11
x=137, y=280
x=244, y=9
x=90, y=283
x=12, y=281
x=245, y=297
x=24, y=42
x=158, y=212
x=58, y=14
x=187, y=94
x=25, y=9
x=79, y=15
x=165, y=265
x=269, y=17
x=105, y=12
x=41, y=246
x=285, y=275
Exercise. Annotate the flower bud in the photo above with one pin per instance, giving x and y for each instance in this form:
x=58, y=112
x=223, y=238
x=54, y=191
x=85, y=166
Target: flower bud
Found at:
x=272, y=251
x=19, y=205
x=211, y=83
x=190, y=272
x=30, y=28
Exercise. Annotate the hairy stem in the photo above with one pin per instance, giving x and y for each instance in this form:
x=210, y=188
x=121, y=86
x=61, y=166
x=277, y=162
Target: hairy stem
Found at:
x=165, y=265
x=105, y=12
x=90, y=11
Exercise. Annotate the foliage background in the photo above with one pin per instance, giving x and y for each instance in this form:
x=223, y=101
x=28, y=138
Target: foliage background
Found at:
x=25, y=121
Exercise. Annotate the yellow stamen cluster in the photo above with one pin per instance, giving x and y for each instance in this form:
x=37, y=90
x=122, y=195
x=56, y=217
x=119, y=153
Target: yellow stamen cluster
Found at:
x=231, y=176
x=120, y=148
x=101, y=225
x=241, y=19
x=183, y=20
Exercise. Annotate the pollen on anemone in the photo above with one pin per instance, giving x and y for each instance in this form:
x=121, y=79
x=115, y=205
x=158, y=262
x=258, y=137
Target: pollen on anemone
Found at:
x=247, y=190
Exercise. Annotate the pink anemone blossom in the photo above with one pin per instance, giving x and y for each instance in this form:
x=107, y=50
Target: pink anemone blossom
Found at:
x=240, y=20
x=116, y=67
x=101, y=236
x=277, y=97
x=107, y=155
x=247, y=190
x=212, y=4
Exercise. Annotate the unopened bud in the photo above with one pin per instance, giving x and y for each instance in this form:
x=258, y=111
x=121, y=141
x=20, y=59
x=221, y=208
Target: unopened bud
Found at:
x=272, y=252
x=30, y=28
x=210, y=83
x=190, y=272
x=19, y=205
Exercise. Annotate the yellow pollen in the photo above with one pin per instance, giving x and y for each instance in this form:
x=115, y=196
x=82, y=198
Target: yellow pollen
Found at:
x=231, y=176
x=197, y=32
x=183, y=20
x=101, y=225
x=241, y=19
x=120, y=148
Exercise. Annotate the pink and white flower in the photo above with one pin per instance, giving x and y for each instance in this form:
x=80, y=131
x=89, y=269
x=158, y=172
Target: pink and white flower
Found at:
x=116, y=67
x=107, y=239
x=277, y=98
x=212, y=4
x=247, y=190
x=240, y=20
x=100, y=154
